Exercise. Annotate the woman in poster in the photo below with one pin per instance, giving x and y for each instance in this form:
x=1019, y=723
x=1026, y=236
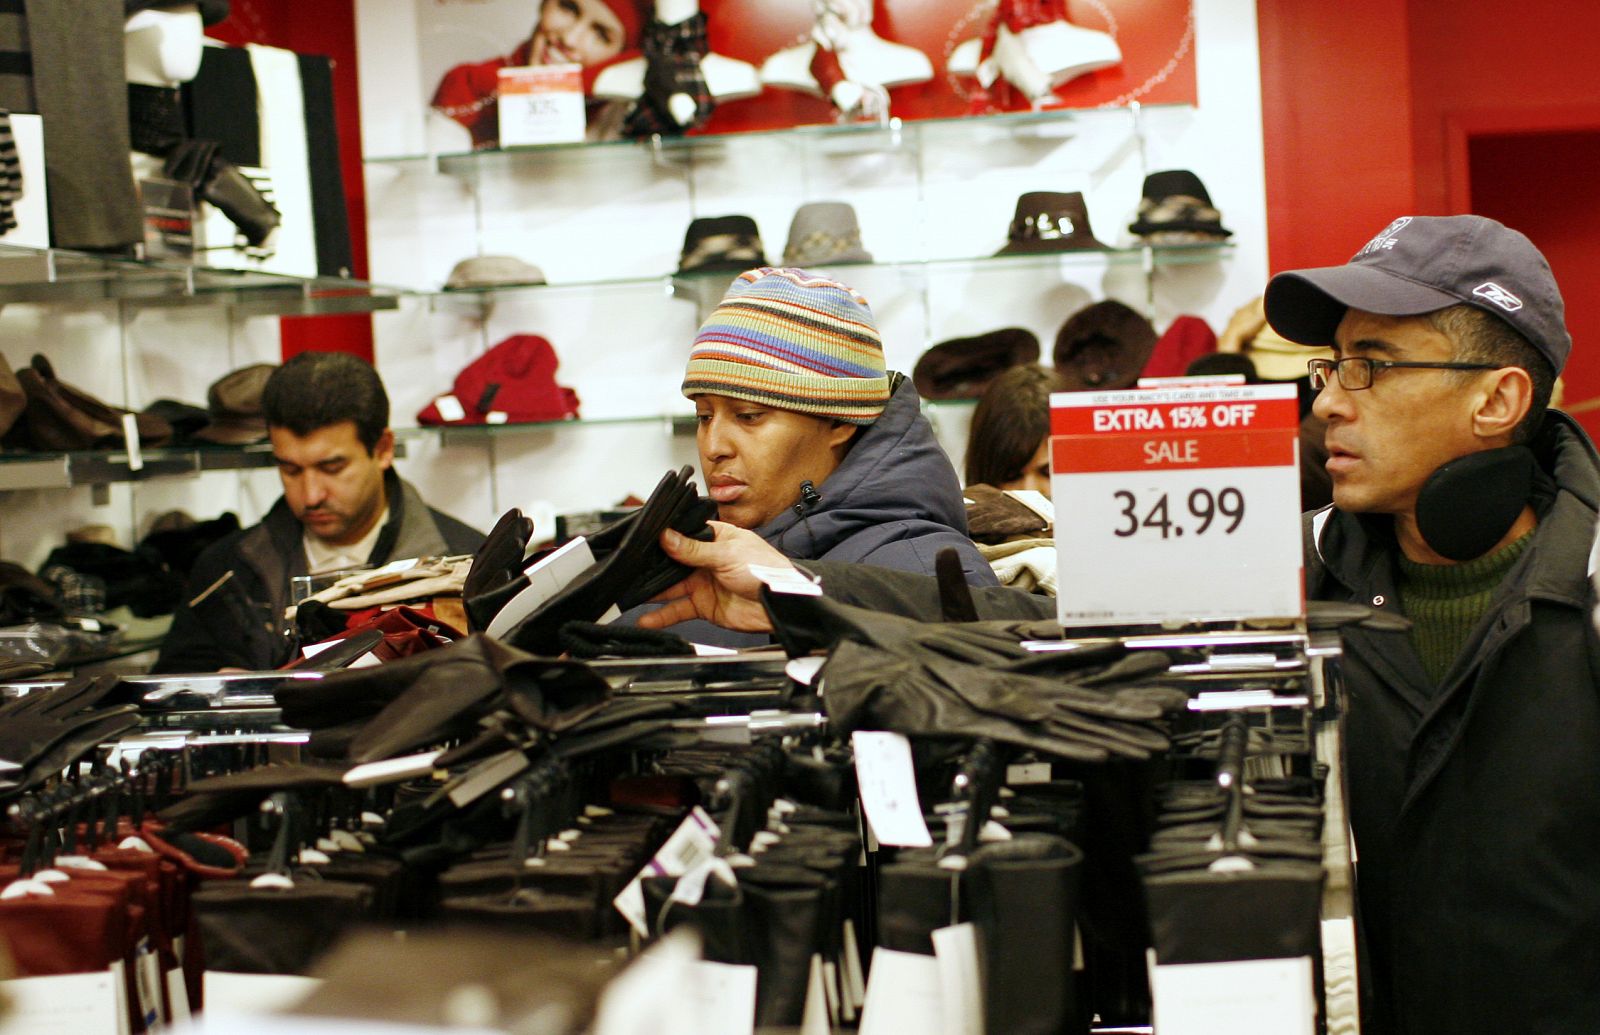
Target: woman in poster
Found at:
x=590, y=33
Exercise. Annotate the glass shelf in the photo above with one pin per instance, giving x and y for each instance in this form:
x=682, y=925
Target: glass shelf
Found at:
x=56, y=276
x=829, y=138
x=699, y=287
x=99, y=467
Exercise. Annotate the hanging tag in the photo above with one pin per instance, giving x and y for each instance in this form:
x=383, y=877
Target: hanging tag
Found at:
x=75, y=1003
x=960, y=984
x=903, y=995
x=1245, y=997
x=855, y=982
x=147, y=983
x=888, y=787
x=130, y=437
x=450, y=409
x=689, y=846
x=178, y=996
x=485, y=777
x=691, y=887
x=724, y=996
x=786, y=580
x=814, y=1018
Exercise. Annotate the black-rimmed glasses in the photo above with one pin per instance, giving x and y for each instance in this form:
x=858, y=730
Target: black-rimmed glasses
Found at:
x=1356, y=372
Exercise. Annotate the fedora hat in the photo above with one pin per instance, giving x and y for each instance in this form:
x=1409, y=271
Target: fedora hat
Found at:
x=1103, y=347
x=490, y=271
x=1176, y=209
x=234, y=401
x=730, y=244
x=1047, y=221
x=961, y=368
x=824, y=233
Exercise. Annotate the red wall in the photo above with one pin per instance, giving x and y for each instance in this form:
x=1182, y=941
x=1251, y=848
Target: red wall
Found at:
x=327, y=27
x=1336, y=116
x=1368, y=107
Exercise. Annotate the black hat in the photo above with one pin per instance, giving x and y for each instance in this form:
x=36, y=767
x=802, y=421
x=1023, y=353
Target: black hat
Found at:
x=1175, y=203
x=211, y=11
x=962, y=368
x=1103, y=347
x=1049, y=222
x=726, y=243
x=1421, y=264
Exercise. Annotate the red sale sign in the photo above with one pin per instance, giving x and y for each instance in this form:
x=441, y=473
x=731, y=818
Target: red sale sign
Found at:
x=1176, y=504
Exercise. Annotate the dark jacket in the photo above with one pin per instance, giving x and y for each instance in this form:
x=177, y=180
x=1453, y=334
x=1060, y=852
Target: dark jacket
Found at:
x=232, y=610
x=894, y=502
x=1476, y=803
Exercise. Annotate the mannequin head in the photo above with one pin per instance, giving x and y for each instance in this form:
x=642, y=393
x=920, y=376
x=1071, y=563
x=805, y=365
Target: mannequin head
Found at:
x=163, y=46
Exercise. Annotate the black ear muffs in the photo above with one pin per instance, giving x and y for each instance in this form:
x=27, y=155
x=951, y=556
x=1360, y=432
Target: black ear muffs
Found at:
x=1468, y=504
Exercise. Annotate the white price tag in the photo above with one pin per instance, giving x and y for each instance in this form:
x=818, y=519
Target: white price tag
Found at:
x=724, y=995
x=86, y=1003
x=888, y=787
x=689, y=846
x=1176, y=504
x=902, y=994
x=960, y=985
x=1246, y=997
x=450, y=409
x=541, y=104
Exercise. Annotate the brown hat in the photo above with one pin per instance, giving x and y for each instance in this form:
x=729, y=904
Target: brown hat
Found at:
x=1103, y=347
x=12, y=399
x=962, y=368
x=1049, y=222
x=235, y=404
x=61, y=417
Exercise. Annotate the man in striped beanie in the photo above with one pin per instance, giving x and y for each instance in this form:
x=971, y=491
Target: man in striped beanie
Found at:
x=806, y=438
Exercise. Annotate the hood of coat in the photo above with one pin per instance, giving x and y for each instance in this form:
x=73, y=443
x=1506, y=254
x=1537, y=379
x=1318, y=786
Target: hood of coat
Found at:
x=895, y=472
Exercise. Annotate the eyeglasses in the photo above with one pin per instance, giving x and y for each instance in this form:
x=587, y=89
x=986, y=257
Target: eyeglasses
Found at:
x=1356, y=372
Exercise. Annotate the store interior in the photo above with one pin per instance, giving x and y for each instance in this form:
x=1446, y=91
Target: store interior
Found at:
x=400, y=229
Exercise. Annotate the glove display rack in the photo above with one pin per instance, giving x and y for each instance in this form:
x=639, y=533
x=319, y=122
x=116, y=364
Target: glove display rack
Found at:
x=1181, y=804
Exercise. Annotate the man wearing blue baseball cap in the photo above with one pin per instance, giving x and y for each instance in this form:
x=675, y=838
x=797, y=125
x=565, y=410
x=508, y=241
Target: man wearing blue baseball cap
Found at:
x=1473, y=740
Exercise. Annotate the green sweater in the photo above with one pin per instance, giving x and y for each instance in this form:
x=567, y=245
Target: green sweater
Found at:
x=1444, y=602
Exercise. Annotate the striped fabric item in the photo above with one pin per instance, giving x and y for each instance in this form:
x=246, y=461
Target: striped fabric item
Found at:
x=794, y=340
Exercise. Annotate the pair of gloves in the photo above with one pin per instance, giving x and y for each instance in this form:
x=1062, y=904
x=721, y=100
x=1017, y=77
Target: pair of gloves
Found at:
x=46, y=730
x=217, y=180
x=629, y=565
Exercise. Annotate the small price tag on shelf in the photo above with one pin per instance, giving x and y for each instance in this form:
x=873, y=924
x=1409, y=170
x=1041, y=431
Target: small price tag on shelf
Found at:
x=541, y=104
x=1176, y=504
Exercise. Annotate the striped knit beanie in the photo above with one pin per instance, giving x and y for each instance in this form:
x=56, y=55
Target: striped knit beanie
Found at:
x=793, y=340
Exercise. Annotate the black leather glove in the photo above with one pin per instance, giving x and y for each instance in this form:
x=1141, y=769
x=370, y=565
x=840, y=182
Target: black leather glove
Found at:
x=45, y=731
x=633, y=567
x=496, y=565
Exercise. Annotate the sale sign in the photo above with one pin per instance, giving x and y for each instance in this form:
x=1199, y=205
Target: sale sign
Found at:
x=1176, y=504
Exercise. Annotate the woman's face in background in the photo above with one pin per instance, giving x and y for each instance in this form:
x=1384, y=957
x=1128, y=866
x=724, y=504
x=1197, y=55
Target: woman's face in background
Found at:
x=1036, y=473
x=583, y=31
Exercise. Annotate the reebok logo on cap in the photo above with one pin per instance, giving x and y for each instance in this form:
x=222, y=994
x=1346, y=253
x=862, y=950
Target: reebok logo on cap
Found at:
x=1385, y=239
x=1494, y=294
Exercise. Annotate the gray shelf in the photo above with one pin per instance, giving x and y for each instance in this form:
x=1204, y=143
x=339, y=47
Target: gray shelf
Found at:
x=19, y=471
x=52, y=276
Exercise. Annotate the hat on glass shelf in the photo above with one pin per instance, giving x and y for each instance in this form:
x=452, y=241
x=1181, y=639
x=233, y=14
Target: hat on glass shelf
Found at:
x=1103, y=347
x=729, y=244
x=211, y=11
x=235, y=404
x=824, y=233
x=492, y=271
x=1176, y=209
x=513, y=383
x=961, y=368
x=1046, y=221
